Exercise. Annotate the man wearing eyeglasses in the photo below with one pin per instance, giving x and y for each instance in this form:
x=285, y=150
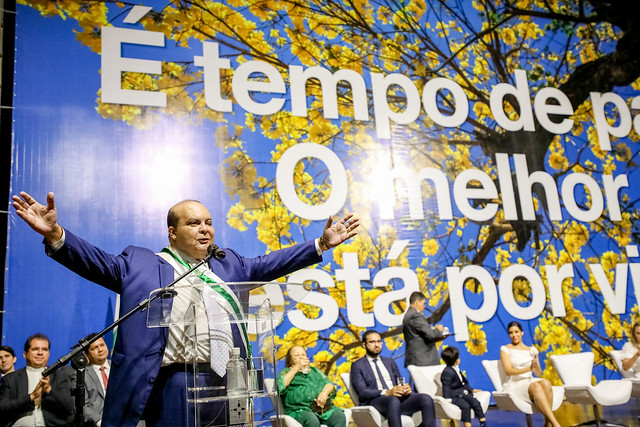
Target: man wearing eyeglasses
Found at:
x=375, y=381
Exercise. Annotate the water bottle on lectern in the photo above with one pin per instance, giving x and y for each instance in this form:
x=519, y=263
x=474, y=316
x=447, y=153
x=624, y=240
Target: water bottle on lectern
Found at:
x=236, y=374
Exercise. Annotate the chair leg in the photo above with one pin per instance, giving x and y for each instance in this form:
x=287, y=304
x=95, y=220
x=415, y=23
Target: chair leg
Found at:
x=598, y=421
x=596, y=413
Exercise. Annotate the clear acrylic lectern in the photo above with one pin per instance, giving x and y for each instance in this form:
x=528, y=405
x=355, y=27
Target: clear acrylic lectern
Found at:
x=242, y=315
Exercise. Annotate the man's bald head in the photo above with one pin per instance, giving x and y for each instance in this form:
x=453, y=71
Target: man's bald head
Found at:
x=173, y=215
x=190, y=228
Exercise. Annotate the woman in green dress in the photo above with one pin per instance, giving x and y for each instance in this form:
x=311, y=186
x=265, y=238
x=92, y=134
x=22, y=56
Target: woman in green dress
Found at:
x=307, y=393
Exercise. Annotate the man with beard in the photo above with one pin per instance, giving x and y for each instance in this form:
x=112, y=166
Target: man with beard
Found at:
x=375, y=381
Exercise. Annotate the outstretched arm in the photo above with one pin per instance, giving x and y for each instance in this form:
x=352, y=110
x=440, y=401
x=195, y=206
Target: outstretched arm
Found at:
x=43, y=219
x=335, y=234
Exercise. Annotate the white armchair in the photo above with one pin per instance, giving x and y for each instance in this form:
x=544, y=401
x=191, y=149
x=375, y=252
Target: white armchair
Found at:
x=427, y=380
x=368, y=416
x=616, y=355
x=283, y=420
x=510, y=402
x=575, y=372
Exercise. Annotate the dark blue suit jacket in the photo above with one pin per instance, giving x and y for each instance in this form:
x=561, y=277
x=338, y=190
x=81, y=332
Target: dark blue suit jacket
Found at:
x=57, y=406
x=451, y=384
x=363, y=379
x=138, y=351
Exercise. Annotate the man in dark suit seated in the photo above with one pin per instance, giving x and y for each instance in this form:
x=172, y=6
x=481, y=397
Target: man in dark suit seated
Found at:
x=28, y=399
x=375, y=381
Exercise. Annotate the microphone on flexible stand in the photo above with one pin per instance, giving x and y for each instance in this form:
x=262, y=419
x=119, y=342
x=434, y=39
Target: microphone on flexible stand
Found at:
x=213, y=251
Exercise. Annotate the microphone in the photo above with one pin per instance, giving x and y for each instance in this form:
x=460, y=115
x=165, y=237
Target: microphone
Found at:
x=213, y=251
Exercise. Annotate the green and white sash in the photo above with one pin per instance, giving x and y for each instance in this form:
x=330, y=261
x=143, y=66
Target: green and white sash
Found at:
x=223, y=310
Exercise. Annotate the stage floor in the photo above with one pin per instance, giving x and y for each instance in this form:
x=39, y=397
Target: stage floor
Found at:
x=568, y=414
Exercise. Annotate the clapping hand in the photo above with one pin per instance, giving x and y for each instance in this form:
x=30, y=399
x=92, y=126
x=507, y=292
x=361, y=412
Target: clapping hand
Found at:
x=43, y=386
x=535, y=363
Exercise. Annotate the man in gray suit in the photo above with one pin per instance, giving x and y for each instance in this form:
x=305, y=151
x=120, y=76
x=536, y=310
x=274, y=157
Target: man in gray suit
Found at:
x=419, y=336
x=96, y=379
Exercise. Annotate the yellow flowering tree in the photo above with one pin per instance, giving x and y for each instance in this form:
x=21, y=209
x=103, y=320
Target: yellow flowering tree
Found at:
x=576, y=46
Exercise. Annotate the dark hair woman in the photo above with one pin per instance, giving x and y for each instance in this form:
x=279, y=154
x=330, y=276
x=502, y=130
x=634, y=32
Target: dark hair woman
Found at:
x=520, y=362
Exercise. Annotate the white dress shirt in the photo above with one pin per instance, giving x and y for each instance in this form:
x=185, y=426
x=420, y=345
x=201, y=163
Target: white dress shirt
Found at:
x=96, y=368
x=33, y=418
x=385, y=373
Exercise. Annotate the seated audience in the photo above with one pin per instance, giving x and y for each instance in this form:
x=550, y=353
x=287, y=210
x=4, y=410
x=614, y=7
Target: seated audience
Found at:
x=96, y=379
x=519, y=361
x=456, y=387
x=307, y=392
x=7, y=360
x=29, y=399
x=375, y=380
x=631, y=351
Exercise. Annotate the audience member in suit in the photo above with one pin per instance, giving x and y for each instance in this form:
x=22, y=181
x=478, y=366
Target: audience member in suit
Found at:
x=375, y=380
x=456, y=387
x=420, y=337
x=96, y=379
x=28, y=399
x=148, y=364
x=7, y=360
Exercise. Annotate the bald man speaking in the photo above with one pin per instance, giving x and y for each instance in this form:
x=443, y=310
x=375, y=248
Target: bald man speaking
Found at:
x=147, y=380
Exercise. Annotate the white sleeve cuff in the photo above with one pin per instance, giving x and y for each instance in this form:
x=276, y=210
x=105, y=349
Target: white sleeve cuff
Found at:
x=60, y=243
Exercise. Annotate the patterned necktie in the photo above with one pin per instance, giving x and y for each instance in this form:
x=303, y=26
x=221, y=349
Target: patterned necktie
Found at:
x=219, y=344
x=105, y=378
x=221, y=308
x=384, y=385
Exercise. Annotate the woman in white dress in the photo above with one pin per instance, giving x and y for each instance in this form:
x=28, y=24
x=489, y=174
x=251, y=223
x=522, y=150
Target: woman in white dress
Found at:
x=520, y=362
x=631, y=351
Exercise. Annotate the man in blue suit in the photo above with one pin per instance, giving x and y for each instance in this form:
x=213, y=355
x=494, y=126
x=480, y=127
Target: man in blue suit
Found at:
x=147, y=378
x=375, y=380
